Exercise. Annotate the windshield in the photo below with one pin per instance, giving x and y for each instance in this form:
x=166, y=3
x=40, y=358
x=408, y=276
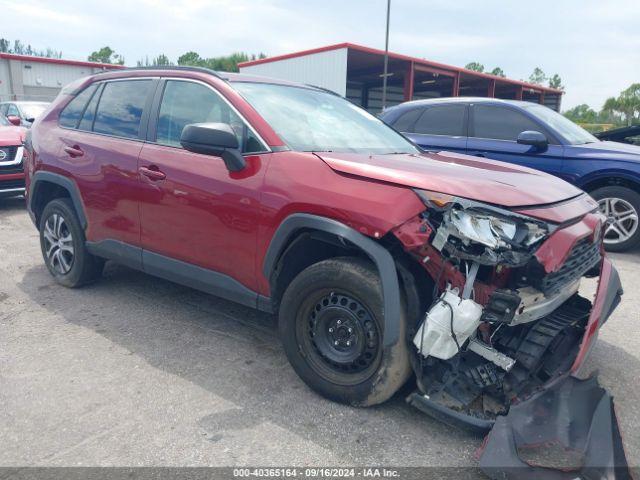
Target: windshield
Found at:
x=573, y=133
x=311, y=120
x=4, y=121
x=33, y=110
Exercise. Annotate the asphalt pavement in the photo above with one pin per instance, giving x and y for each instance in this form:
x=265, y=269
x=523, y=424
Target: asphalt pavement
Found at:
x=137, y=371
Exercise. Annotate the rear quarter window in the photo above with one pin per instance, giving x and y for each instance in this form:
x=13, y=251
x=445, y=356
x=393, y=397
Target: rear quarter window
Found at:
x=71, y=114
x=406, y=121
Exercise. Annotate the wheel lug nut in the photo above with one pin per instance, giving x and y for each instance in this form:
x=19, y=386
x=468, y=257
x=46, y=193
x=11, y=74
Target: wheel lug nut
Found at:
x=350, y=330
x=330, y=329
x=348, y=343
x=335, y=343
x=339, y=322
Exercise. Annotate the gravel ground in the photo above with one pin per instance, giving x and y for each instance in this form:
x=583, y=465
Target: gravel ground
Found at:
x=136, y=371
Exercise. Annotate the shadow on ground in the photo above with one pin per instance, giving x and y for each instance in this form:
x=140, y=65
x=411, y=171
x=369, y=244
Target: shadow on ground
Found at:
x=234, y=352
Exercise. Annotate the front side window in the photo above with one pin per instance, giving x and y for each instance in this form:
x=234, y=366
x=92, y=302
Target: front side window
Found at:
x=442, y=120
x=500, y=123
x=70, y=115
x=188, y=102
x=120, y=108
x=311, y=120
x=574, y=134
x=3, y=121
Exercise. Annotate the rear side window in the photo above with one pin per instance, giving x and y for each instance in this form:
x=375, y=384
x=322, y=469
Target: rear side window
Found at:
x=442, y=120
x=187, y=102
x=500, y=123
x=72, y=113
x=120, y=108
x=405, y=122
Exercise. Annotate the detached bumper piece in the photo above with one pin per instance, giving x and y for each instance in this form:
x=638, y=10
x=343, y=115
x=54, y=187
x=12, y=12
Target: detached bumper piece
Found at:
x=567, y=431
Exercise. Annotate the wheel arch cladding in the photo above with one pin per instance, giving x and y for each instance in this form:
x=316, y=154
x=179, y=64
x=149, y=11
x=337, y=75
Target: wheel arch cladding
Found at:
x=46, y=186
x=613, y=180
x=378, y=254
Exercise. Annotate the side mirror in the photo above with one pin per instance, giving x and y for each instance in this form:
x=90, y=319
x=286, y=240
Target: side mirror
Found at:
x=30, y=120
x=14, y=120
x=216, y=139
x=533, y=138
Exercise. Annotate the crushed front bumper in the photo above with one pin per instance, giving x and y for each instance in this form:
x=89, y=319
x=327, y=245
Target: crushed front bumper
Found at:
x=568, y=423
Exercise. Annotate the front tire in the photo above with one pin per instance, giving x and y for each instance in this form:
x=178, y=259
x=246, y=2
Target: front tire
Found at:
x=62, y=242
x=331, y=326
x=621, y=205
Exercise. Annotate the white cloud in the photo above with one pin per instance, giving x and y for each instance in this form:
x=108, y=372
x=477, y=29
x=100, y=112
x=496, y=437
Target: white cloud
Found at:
x=593, y=45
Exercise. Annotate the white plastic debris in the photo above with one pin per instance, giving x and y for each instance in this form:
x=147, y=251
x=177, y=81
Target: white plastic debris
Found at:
x=434, y=336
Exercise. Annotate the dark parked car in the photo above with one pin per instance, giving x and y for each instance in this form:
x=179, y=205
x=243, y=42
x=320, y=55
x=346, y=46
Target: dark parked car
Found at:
x=292, y=200
x=630, y=135
x=22, y=113
x=533, y=136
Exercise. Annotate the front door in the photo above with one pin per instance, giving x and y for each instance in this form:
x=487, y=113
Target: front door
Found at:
x=193, y=209
x=493, y=133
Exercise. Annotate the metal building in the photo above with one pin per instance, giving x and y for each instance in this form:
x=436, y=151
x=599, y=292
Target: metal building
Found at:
x=356, y=72
x=24, y=77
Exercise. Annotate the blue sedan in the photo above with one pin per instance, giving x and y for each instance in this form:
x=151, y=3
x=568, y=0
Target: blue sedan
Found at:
x=535, y=136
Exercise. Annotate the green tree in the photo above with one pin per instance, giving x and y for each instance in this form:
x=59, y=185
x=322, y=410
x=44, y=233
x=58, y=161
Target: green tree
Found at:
x=537, y=76
x=226, y=63
x=106, y=55
x=475, y=66
x=190, y=58
x=624, y=109
x=556, y=82
x=498, y=72
x=582, y=114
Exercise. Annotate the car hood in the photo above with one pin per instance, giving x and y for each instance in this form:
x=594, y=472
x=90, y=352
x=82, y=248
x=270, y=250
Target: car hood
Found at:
x=607, y=150
x=479, y=179
x=10, y=136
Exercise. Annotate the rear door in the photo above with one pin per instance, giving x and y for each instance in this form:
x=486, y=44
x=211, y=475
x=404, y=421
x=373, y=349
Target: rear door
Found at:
x=102, y=132
x=440, y=127
x=493, y=133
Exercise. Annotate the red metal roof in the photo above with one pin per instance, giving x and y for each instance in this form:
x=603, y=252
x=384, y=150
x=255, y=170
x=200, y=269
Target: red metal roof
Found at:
x=416, y=60
x=59, y=61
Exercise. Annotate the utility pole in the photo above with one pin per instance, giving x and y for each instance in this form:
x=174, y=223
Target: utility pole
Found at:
x=386, y=59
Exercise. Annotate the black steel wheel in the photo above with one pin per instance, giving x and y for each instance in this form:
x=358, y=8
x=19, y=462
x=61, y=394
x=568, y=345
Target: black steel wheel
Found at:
x=331, y=319
x=342, y=337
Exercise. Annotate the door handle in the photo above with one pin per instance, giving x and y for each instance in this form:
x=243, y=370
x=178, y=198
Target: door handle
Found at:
x=152, y=173
x=480, y=154
x=74, y=151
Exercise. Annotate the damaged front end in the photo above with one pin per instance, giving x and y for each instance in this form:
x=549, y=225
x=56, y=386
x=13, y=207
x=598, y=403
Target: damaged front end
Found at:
x=506, y=319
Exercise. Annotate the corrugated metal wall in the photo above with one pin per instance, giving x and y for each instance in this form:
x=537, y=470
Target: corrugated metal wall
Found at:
x=27, y=80
x=324, y=69
x=51, y=75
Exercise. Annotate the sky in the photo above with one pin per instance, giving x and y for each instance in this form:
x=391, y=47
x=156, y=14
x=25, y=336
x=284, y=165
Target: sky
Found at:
x=593, y=45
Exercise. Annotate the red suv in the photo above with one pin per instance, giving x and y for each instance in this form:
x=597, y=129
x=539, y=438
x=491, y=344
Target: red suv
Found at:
x=381, y=261
x=11, y=151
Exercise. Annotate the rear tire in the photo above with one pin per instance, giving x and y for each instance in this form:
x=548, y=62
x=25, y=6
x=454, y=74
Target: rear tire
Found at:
x=331, y=325
x=62, y=242
x=622, y=207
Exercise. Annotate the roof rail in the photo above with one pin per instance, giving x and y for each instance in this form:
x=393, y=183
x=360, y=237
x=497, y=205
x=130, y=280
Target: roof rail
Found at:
x=177, y=67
